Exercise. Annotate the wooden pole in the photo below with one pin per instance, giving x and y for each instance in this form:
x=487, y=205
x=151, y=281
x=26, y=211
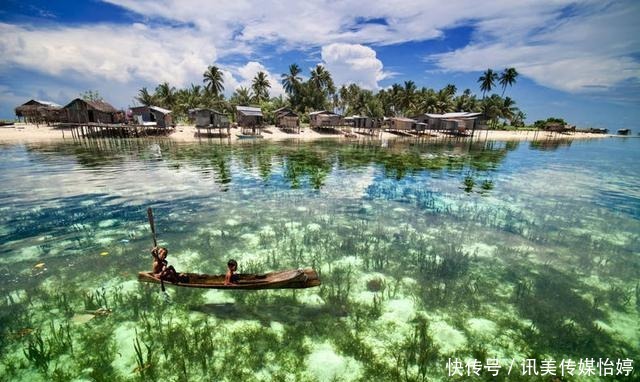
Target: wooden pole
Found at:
x=155, y=241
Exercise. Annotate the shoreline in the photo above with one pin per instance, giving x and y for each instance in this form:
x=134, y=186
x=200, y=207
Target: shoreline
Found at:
x=27, y=133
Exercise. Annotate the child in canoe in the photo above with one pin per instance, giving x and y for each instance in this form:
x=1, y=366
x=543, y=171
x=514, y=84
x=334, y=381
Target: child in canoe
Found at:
x=161, y=267
x=231, y=278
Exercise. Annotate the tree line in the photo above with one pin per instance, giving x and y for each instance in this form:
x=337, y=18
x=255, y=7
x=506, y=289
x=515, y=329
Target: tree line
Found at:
x=319, y=92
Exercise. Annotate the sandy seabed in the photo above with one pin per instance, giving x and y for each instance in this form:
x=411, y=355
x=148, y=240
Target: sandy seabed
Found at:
x=26, y=133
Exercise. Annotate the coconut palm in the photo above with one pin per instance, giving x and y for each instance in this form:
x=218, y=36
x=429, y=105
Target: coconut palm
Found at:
x=144, y=97
x=291, y=81
x=242, y=96
x=319, y=88
x=321, y=79
x=466, y=101
x=260, y=87
x=165, y=95
x=213, y=80
x=508, y=78
x=487, y=81
x=408, y=97
x=508, y=108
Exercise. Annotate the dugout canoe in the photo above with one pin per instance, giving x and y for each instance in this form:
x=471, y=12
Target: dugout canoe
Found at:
x=294, y=278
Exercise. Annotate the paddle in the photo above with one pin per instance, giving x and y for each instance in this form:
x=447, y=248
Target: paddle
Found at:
x=155, y=241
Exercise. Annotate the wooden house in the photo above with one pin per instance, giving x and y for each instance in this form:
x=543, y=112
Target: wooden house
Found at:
x=452, y=123
x=84, y=111
x=558, y=127
x=152, y=116
x=210, y=119
x=250, y=119
x=325, y=119
x=400, y=124
x=36, y=111
x=362, y=124
x=287, y=119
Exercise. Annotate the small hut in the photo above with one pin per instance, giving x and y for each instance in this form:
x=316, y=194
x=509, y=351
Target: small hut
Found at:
x=324, y=119
x=84, y=111
x=558, y=127
x=250, y=119
x=459, y=123
x=287, y=119
x=152, y=116
x=37, y=111
x=400, y=124
x=210, y=119
x=366, y=125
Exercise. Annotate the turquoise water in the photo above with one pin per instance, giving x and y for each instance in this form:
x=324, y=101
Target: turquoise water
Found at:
x=428, y=252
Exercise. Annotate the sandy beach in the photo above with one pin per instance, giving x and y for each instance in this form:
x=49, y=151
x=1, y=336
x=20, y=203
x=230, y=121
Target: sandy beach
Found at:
x=25, y=133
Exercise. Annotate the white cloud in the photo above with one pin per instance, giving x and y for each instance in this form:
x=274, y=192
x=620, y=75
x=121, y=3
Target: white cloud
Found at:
x=586, y=52
x=353, y=63
x=108, y=52
x=238, y=76
x=558, y=43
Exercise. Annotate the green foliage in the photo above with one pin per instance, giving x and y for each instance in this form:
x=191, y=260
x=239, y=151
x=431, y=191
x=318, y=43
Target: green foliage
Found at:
x=91, y=95
x=37, y=352
x=541, y=124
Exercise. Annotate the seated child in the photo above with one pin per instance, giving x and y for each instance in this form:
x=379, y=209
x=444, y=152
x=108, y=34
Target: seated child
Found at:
x=231, y=278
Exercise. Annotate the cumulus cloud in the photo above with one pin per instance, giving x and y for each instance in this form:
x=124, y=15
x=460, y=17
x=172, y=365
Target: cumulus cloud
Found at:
x=589, y=51
x=135, y=52
x=353, y=63
x=558, y=43
x=242, y=76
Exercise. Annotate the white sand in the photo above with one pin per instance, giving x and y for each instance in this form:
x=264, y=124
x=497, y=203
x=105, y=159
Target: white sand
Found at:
x=25, y=133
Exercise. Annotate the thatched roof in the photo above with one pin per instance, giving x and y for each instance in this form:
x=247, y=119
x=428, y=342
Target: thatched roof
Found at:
x=95, y=105
x=33, y=105
x=36, y=102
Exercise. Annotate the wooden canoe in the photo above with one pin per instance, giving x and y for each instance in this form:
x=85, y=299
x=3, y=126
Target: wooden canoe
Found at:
x=294, y=278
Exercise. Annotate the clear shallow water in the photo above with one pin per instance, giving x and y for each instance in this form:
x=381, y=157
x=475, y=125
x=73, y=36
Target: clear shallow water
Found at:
x=426, y=251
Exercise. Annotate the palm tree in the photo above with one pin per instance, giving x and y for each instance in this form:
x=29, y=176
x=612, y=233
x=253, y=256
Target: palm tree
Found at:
x=242, y=96
x=508, y=108
x=321, y=79
x=487, y=81
x=260, y=87
x=319, y=87
x=213, y=80
x=144, y=97
x=291, y=80
x=408, y=97
x=508, y=78
x=165, y=95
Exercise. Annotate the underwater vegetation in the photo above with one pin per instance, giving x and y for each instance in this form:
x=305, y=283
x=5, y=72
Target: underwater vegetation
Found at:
x=415, y=270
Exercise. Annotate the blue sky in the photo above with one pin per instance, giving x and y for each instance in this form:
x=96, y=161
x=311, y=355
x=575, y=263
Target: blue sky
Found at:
x=577, y=60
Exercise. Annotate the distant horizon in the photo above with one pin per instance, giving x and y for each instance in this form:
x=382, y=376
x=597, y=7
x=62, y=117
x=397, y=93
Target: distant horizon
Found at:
x=577, y=61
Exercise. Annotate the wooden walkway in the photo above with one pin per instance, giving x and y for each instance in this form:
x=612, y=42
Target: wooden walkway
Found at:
x=106, y=130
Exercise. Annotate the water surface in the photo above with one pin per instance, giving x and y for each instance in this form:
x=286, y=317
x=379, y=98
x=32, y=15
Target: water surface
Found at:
x=427, y=252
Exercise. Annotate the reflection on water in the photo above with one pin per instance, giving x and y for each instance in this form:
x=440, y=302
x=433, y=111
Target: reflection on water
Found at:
x=427, y=251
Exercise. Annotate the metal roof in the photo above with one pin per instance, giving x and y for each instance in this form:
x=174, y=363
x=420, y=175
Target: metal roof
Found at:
x=198, y=109
x=463, y=114
x=161, y=110
x=48, y=103
x=250, y=111
x=403, y=119
x=320, y=112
